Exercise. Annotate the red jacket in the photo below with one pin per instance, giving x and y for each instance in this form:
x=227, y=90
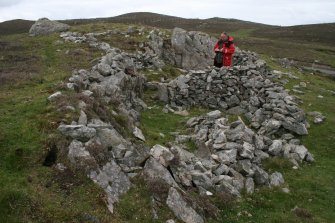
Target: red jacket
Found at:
x=228, y=50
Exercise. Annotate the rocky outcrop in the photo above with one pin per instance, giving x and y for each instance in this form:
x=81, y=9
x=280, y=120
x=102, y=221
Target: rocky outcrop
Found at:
x=184, y=49
x=45, y=26
x=192, y=50
x=99, y=148
x=234, y=159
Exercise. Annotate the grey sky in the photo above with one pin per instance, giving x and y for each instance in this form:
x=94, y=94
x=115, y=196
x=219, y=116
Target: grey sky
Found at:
x=275, y=12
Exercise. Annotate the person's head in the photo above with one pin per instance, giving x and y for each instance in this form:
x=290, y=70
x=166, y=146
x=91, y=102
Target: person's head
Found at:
x=223, y=36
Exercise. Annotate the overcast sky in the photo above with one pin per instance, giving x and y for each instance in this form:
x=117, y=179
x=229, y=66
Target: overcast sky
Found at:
x=275, y=12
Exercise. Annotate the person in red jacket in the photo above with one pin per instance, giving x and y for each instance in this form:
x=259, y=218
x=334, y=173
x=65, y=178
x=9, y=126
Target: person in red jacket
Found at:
x=224, y=50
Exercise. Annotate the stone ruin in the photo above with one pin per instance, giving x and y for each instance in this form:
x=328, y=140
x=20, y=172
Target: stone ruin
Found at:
x=228, y=156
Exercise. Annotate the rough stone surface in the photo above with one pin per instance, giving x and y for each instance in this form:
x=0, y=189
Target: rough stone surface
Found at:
x=79, y=132
x=54, y=96
x=44, y=26
x=249, y=185
x=113, y=180
x=138, y=134
x=181, y=209
x=276, y=179
x=162, y=154
x=154, y=171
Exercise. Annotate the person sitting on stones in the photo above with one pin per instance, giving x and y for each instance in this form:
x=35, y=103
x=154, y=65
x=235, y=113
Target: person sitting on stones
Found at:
x=224, y=50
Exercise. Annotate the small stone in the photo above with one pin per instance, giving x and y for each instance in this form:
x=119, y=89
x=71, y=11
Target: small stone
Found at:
x=214, y=114
x=138, y=134
x=82, y=118
x=208, y=193
x=54, y=96
x=249, y=185
x=276, y=147
x=286, y=190
x=182, y=113
x=276, y=179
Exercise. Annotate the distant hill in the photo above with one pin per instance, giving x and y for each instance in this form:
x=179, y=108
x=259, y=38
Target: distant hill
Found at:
x=304, y=43
x=15, y=26
x=317, y=33
x=321, y=33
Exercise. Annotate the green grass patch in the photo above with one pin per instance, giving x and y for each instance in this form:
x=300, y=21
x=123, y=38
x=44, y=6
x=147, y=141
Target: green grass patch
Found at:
x=28, y=191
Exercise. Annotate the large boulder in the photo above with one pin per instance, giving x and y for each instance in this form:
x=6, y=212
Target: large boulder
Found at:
x=45, y=26
x=193, y=50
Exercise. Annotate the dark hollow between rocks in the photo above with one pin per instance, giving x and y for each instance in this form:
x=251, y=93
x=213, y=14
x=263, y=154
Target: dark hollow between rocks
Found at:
x=51, y=157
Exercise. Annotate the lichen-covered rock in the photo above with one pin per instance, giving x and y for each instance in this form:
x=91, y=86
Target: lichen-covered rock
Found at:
x=113, y=180
x=181, y=208
x=44, y=26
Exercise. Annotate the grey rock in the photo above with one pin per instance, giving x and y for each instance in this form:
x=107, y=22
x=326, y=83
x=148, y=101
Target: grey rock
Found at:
x=301, y=151
x=214, y=114
x=191, y=49
x=276, y=147
x=114, y=182
x=104, y=69
x=249, y=185
x=181, y=209
x=87, y=93
x=78, y=153
x=228, y=156
x=299, y=128
x=163, y=92
x=162, y=154
x=261, y=177
x=309, y=157
x=276, y=179
x=272, y=126
x=82, y=118
x=202, y=151
x=138, y=134
x=233, y=101
x=221, y=170
x=110, y=137
x=154, y=171
x=227, y=188
x=201, y=180
x=244, y=167
x=44, y=26
x=79, y=132
x=55, y=96
x=247, y=151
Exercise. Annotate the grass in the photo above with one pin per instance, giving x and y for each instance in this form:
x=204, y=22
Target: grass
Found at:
x=30, y=192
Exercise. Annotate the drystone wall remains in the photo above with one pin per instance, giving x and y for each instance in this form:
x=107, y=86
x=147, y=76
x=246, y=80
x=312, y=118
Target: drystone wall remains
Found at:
x=228, y=155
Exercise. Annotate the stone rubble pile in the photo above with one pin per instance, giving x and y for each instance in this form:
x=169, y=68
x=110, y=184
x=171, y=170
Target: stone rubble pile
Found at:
x=228, y=156
x=145, y=56
x=246, y=89
x=97, y=147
